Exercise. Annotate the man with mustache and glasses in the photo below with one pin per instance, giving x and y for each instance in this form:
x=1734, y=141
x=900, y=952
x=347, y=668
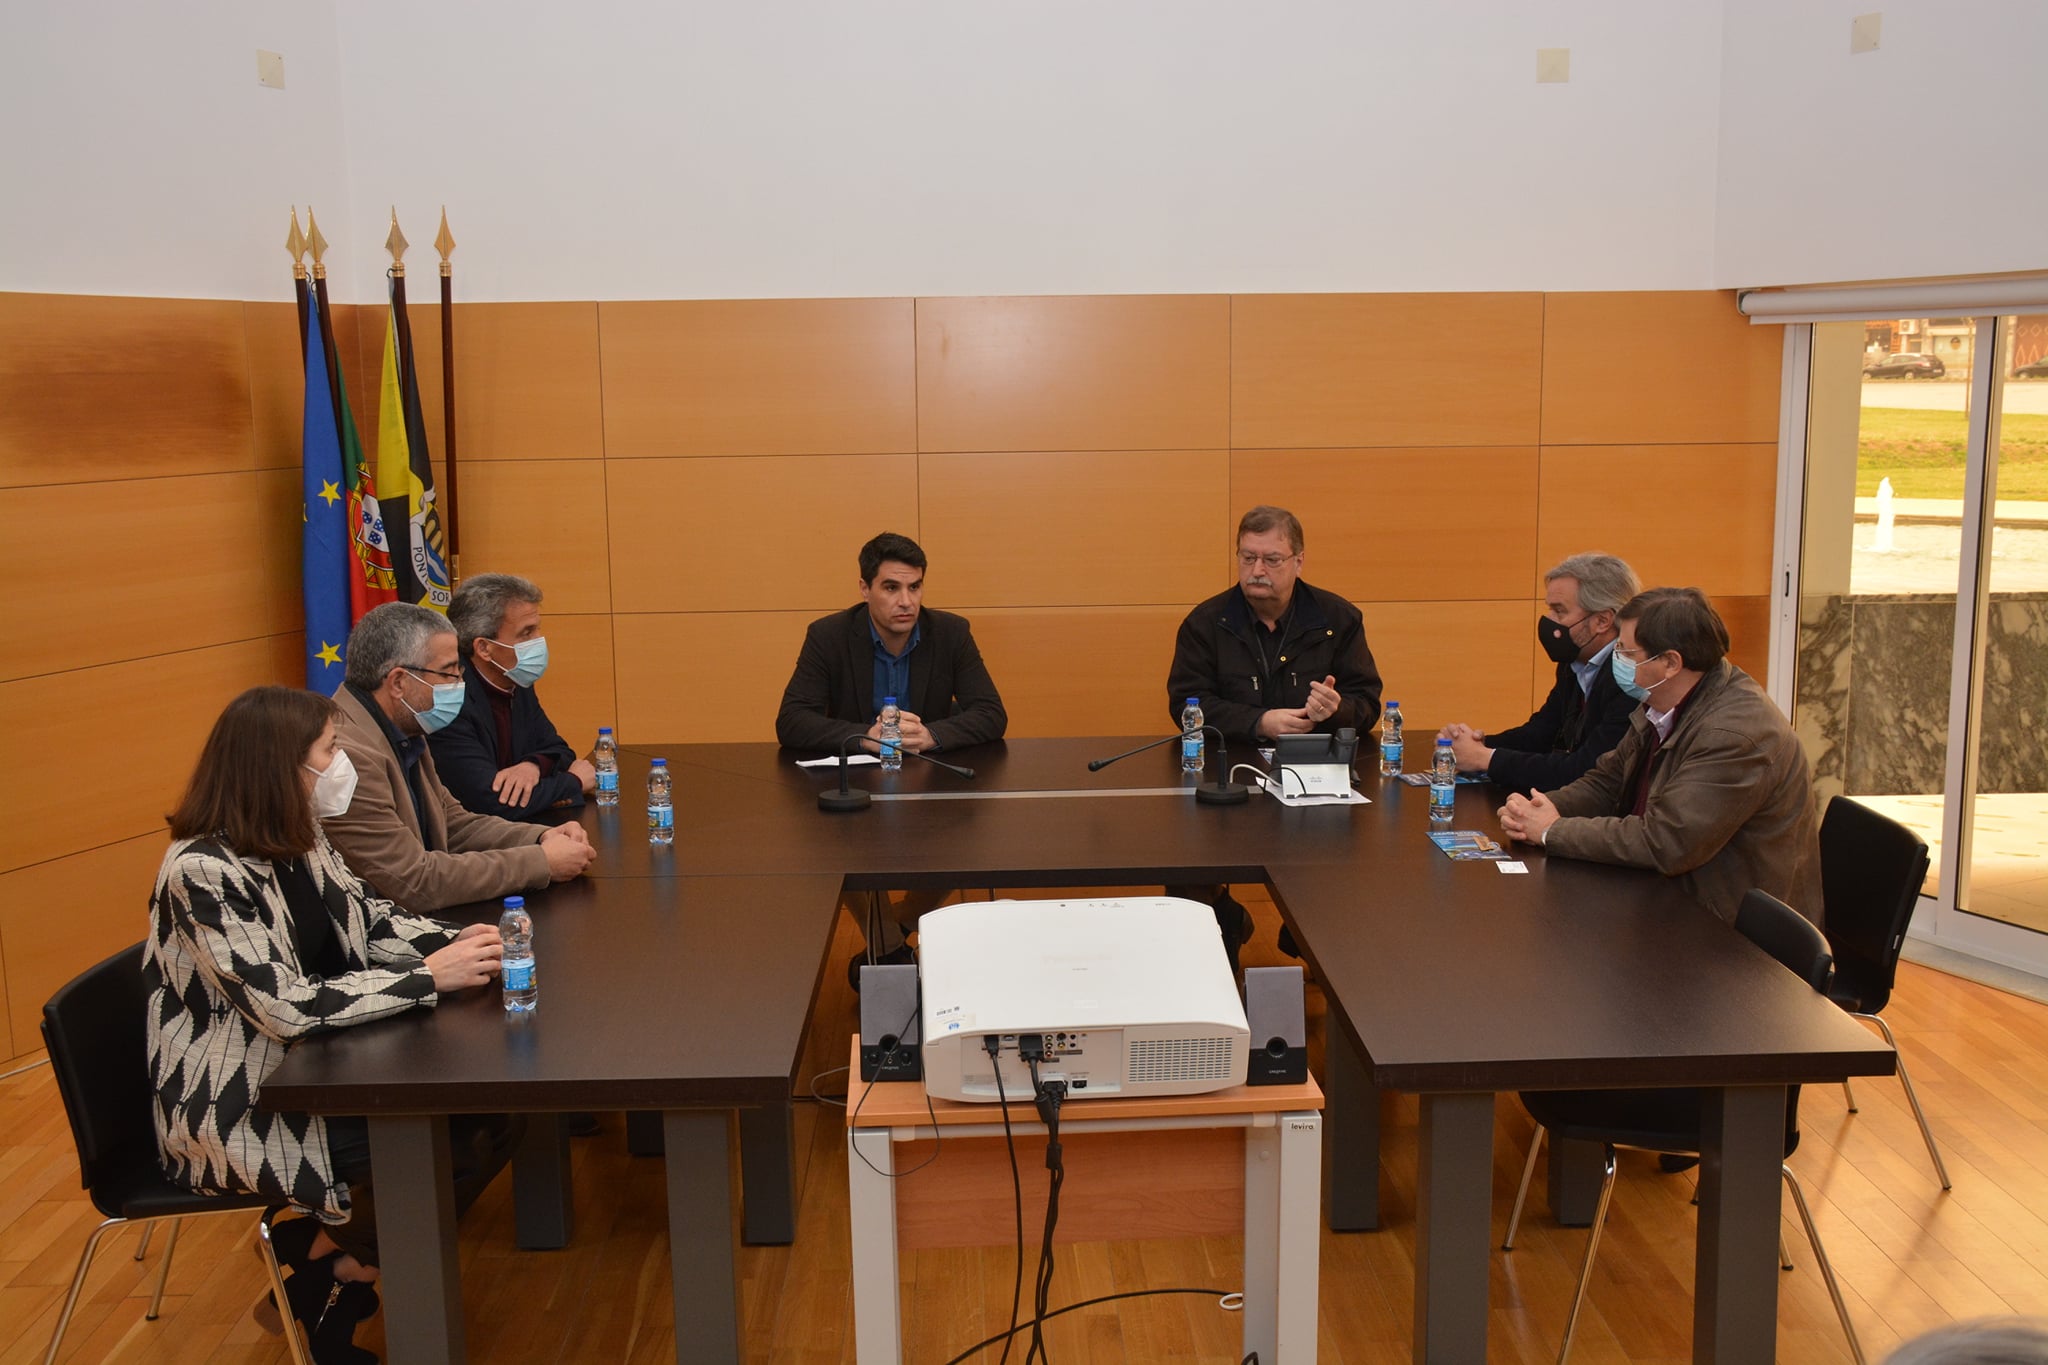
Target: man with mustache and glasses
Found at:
x=502, y=756
x=403, y=832
x=1271, y=656
x=1586, y=713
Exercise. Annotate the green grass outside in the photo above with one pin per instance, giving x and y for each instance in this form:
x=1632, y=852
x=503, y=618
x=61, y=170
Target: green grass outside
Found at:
x=1922, y=453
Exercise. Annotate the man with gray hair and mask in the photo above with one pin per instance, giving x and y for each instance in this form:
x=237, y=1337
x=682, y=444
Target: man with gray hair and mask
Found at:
x=1586, y=713
x=502, y=755
x=403, y=832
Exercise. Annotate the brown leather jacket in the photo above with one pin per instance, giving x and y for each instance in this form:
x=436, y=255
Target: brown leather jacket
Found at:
x=474, y=857
x=1730, y=807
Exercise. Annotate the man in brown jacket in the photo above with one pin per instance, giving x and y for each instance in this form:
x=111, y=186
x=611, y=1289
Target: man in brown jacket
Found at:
x=1709, y=785
x=403, y=833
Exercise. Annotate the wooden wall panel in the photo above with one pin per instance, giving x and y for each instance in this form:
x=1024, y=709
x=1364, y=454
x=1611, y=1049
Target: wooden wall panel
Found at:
x=699, y=677
x=277, y=380
x=1081, y=670
x=7, y=1047
x=1657, y=367
x=526, y=377
x=1385, y=369
x=1098, y=373
x=758, y=377
x=757, y=534
x=580, y=690
x=1698, y=515
x=132, y=772
x=1450, y=661
x=113, y=388
x=58, y=918
x=544, y=520
x=1749, y=634
x=176, y=564
x=1397, y=525
x=1072, y=529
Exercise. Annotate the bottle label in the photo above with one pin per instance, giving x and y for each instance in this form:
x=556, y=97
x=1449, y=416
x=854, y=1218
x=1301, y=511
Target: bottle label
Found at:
x=519, y=975
x=661, y=817
x=888, y=751
x=1191, y=749
x=607, y=780
x=1440, y=793
x=1390, y=750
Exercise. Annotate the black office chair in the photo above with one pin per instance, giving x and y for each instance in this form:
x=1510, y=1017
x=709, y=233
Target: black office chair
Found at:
x=1669, y=1120
x=1871, y=868
x=96, y=1030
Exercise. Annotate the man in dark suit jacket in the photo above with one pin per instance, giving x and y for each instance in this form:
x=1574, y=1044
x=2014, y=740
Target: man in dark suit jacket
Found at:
x=503, y=756
x=890, y=645
x=1586, y=713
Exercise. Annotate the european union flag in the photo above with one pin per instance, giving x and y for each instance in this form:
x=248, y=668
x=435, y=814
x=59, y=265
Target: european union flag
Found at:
x=325, y=553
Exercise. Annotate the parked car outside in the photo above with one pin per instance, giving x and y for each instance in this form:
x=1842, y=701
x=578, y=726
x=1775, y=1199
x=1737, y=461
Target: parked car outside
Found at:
x=1906, y=365
x=2037, y=370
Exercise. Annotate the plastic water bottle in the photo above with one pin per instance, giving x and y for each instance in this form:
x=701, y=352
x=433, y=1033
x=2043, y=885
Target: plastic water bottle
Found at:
x=892, y=735
x=1192, y=740
x=1390, y=740
x=515, y=930
x=1443, y=784
x=605, y=757
x=661, y=810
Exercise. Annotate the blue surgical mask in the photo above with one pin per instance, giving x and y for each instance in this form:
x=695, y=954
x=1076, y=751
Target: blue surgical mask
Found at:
x=447, y=706
x=1624, y=669
x=529, y=662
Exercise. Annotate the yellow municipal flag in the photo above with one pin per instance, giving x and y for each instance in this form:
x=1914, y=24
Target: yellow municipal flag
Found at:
x=405, y=484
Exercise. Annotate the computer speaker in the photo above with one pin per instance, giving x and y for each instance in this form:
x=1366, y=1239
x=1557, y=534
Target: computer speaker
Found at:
x=1274, y=1009
x=891, y=1023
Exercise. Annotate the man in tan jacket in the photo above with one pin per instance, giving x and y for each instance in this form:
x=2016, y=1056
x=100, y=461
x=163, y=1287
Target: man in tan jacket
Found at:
x=403, y=833
x=1709, y=786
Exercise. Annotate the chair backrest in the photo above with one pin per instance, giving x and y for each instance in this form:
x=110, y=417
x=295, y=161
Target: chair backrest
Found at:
x=1801, y=949
x=1871, y=867
x=1786, y=935
x=96, y=1028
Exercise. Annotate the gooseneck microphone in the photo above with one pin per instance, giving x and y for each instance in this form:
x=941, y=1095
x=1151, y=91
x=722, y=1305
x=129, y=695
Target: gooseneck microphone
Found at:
x=1225, y=793
x=846, y=799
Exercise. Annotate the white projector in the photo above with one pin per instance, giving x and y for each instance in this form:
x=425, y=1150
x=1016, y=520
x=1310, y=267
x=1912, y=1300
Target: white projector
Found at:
x=1131, y=996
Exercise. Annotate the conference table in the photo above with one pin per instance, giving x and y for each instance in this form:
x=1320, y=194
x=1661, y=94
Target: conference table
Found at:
x=679, y=980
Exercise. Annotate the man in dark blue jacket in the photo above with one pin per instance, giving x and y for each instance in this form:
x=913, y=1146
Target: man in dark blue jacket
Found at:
x=1586, y=713
x=503, y=756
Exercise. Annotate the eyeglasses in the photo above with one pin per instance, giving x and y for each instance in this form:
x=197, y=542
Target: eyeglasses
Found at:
x=1272, y=561
x=1639, y=654
x=451, y=674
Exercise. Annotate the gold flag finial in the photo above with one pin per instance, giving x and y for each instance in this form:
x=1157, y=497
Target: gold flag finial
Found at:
x=444, y=242
x=396, y=244
x=296, y=245
x=316, y=244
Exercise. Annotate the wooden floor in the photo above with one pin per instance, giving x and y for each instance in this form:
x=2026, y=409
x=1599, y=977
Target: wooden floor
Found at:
x=1909, y=1256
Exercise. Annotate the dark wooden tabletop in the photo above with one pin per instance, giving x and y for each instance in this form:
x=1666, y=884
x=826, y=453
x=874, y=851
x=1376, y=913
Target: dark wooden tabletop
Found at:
x=683, y=976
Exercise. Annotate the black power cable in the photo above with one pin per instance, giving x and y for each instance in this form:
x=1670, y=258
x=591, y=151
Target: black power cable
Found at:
x=993, y=1045
x=1049, y=1096
x=916, y=1004
x=970, y=1352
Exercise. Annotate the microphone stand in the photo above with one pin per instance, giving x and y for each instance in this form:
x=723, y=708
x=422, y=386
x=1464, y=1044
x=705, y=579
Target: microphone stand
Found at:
x=1224, y=793
x=846, y=799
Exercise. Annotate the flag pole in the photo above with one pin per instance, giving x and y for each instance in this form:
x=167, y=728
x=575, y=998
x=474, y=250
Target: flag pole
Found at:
x=296, y=245
x=317, y=244
x=444, y=242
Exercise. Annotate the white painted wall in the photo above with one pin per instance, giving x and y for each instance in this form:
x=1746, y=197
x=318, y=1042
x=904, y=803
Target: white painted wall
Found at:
x=141, y=157
x=1928, y=156
x=819, y=147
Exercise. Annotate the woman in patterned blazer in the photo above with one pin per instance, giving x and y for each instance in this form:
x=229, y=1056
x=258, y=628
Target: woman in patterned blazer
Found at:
x=261, y=935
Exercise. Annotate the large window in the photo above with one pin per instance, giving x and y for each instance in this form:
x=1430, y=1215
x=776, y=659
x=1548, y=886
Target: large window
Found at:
x=1922, y=655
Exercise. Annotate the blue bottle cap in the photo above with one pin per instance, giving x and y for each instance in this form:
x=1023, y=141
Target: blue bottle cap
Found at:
x=1442, y=742
x=1193, y=701
x=661, y=763
x=888, y=701
x=515, y=902
x=1393, y=705
x=604, y=729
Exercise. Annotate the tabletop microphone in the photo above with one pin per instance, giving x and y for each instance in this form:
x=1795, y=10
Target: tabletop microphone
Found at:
x=846, y=799
x=1224, y=793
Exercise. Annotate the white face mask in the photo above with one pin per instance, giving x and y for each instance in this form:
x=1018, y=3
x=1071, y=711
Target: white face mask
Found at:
x=333, y=789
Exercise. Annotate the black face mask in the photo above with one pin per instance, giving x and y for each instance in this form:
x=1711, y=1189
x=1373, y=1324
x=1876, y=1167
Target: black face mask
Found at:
x=1557, y=639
